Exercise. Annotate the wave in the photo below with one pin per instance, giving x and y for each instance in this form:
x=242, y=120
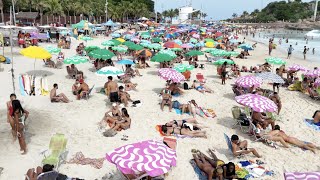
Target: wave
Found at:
x=313, y=33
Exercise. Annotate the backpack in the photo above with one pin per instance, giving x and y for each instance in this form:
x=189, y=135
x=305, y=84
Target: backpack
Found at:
x=175, y=104
x=185, y=86
x=245, y=119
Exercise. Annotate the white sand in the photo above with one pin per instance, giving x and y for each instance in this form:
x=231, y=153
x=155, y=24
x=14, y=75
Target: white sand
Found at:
x=78, y=121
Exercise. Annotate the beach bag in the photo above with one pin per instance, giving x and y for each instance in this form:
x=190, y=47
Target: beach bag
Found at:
x=245, y=120
x=185, y=86
x=175, y=104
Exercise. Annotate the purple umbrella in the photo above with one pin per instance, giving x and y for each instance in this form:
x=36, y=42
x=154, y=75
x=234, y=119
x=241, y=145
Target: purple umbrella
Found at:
x=171, y=74
x=151, y=157
x=257, y=103
x=248, y=81
x=297, y=67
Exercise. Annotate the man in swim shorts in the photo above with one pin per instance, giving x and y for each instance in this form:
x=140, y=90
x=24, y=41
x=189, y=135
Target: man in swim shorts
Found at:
x=112, y=90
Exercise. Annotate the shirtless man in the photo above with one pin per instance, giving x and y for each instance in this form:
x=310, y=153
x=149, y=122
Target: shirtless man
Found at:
x=112, y=90
x=241, y=147
x=173, y=87
x=295, y=141
x=57, y=98
x=124, y=96
x=166, y=99
x=82, y=89
x=276, y=99
x=264, y=121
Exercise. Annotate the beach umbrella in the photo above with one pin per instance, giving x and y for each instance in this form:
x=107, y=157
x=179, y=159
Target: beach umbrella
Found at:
x=86, y=38
x=36, y=53
x=169, y=36
x=152, y=157
x=135, y=47
x=75, y=60
x=115, y=35
x=145, y=41
x=221, y=61
x=208, y=50
x=248, y=81
x=257, y=103
x=176, y=49
x=111, y=42
x=208, y=40
x=169, y=52
x=297, y=67
x=217, y=34
x=144, y=44
x=200, y=44
x=275, y=60
x=246, y=47
x=197, y=36
x=183, y=67
x=101, y=54
x=209, y=44
x=193, y=40
x=312, y=73
x=145, y=36
x=156, y=40
x=162, y=58
x=128, y=43
x=270, y=77
x=194, y=53
x=91, y=48
x=171, y=45
x=109, y=71
x=186, y=46
x=128, y=36
x=171, y=74
x=178, y=41
x=154, y=46
x=121, y=40
x=317, y=82
x=120, y=49
x=145, y=53
x=53, y=50
x=134, y=39
x=125, y=62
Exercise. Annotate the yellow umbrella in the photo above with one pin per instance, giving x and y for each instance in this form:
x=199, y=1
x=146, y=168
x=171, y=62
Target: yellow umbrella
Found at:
x=36, y=53
x=209, y=44
x=121, y=40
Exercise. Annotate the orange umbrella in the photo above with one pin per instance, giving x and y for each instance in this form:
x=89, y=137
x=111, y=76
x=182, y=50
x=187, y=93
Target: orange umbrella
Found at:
x=144, y=52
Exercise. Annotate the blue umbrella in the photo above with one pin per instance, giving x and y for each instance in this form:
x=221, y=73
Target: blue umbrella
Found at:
x=115, y=35
x=200, y=44
x=109, y=23
x=128, y=36
x=125, y=62
x=246, y=47
x=178, y=41
x=169, y=36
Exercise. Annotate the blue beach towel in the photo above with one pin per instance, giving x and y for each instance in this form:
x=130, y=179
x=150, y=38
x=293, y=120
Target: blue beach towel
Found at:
x=178, y=111
x=201, y=175
x=309, y=122
x=228, y=142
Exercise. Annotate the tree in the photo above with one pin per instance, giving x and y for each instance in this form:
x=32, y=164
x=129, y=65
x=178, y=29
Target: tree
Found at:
x=245, y=14
x=53, y=7
x=40, y=5
x=204, y=15
x=1, y=9
x=171, y=14
x=234, y=15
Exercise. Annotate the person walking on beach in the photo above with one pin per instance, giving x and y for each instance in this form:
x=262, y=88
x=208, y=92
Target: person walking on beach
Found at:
x=224, y=73
x=270, y=47
x=290, y=49
x=313, y=51
x=305, y=52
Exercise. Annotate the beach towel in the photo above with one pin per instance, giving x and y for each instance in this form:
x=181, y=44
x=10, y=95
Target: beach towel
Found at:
x=27, y=83
x=21, y=86
x=79, y=158
x=207, y=112
x=201, y=175
x=44, y=87
x=178, y=111
x=302, y=176
x=309, y=122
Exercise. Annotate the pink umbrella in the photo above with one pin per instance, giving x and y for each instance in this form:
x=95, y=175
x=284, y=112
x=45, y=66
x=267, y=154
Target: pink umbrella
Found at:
x=317, y=82
x=151, y=157
x=135, y=40
x=196, y=36
x=257, y=103
x=297, y=67
x=186, y=46
x=171, y=74
x=313, y=74
x=248, y=81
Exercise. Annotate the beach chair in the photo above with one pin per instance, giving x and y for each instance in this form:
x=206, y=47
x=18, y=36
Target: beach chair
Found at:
x=236, y=111
x=57, y=147
x=254, y=132
x=229, y=143
x=70, y=73
x=200, y=77
x=86, y=94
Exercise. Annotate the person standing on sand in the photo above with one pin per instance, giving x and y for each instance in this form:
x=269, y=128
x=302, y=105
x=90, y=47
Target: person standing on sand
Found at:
x=305, y=52
x=112, y=90
x=290, y=49
x=270, y=47
x=313, y=51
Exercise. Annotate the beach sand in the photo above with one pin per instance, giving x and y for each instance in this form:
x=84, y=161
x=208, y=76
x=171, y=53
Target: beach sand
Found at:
x=78, y=120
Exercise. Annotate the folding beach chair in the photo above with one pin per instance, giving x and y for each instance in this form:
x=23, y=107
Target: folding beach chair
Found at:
x=228, y=142
x=236, y=111
x=86, y=94
x=57, y=147
x=200, y=77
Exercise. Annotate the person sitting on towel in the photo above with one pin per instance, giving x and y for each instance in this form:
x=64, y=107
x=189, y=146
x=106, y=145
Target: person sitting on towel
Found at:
x=241, y=147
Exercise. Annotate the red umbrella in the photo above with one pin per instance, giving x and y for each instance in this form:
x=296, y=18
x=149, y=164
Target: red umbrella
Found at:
x=171, y=45
x=217, y=34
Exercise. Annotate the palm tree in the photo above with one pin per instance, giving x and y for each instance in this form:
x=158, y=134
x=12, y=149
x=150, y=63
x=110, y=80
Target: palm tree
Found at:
x=171, y=14
x=245, y=14
x=204, y=15
x=54, y=7
x=234, y=15
x=40, y=5
x=1, y=9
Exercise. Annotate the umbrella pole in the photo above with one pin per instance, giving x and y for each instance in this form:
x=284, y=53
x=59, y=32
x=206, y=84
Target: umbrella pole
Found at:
x=34, y=64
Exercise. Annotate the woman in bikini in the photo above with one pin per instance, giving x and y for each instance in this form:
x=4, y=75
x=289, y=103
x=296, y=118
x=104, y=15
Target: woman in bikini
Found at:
x=166, y=99
x=182, y=131
x=111, y=119
x=124, y=122
x=180, y=123
x=19, y=115
x=316, y=118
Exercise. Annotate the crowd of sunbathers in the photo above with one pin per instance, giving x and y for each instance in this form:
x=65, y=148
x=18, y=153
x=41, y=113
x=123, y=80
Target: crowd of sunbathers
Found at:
x=186, y=127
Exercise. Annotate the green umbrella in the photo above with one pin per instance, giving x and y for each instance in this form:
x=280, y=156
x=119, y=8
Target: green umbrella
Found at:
x=87, y=38
x=275, y=60
x=156, y=40
x=135, y=47
x=154, y=46
x=112, y=42
x=221, y=61
x=183, y=67
x=193, y=40
x=101, y=54
x=144, y=44
x=109, y=71
x=120, y=48
x=75, y=60
x=161, y=58
x=208, y=40
x=53, y=50
x=91, y=48
x=208, y=50
x=128, y=43
x=176, y=49
x=194, y=53
x=169, y=52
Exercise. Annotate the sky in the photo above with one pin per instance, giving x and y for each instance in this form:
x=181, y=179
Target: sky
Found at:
x=216, y=9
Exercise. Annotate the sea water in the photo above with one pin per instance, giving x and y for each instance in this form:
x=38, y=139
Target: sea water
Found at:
x=298, y=39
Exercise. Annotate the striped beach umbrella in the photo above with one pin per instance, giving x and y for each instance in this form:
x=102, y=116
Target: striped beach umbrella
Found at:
x=275, y=60
x=297, y=67
x=248, y=81
x=109, y=71
x=257, y=103
x=75, y=60
x=317, y=82
x=183, y=67
x=270, y=77
x=171, y=74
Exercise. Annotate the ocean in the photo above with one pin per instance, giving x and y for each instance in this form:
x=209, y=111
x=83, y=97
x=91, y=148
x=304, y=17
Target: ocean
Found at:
x=296, y=39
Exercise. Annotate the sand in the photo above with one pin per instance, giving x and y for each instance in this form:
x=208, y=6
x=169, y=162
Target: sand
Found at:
x=78, y=120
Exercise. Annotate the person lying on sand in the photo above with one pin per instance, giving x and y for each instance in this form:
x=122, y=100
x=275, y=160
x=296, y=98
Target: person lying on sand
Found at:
x=180, y=123
x=264, y=121
x=186, y=108
x=166, y=98
x=111, y=119
x=130, y=86
x=316, y=118
x=124, y=96
x=182, y=131
x=203, y=88
x=57, y=98
x=295, y=141
x=241, y=147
